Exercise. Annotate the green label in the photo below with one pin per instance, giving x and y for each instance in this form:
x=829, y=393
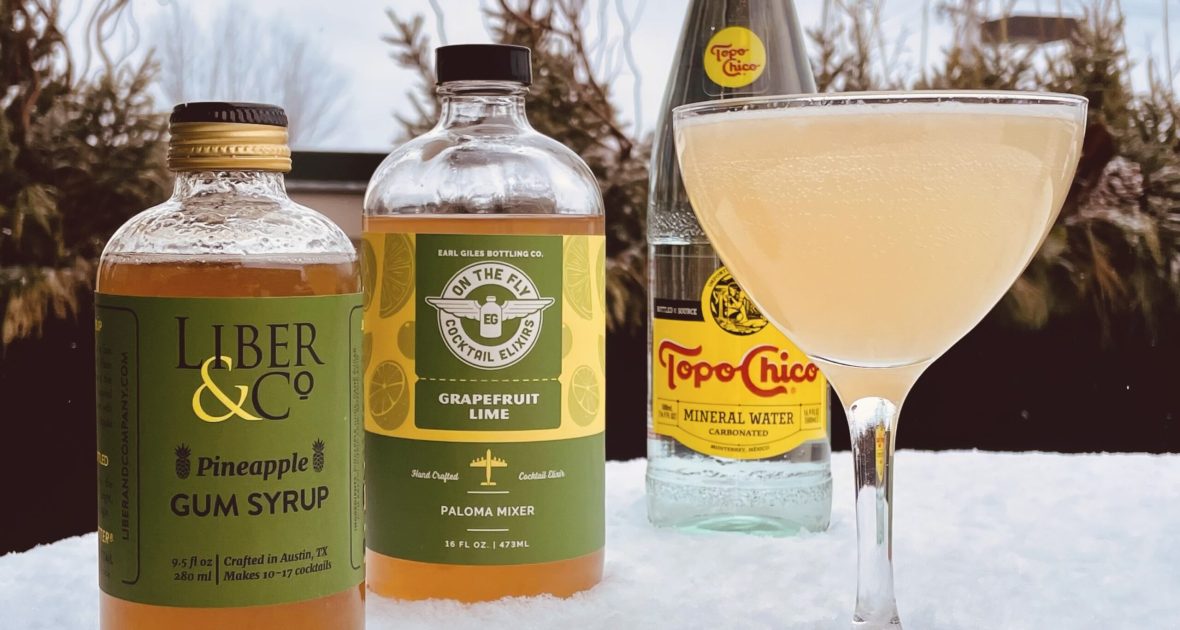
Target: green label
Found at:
x=496, y=305
x=229, y=449
x=518, y=405
x=484, y=386
x=485, y=503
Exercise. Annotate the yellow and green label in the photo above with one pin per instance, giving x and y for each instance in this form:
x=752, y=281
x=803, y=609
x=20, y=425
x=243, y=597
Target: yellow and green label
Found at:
x=484, y=379
x=727, y=383
x=229, y=449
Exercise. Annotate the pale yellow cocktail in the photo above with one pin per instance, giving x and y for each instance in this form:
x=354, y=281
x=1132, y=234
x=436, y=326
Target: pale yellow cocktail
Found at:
x=876, y=230
x=878, y=236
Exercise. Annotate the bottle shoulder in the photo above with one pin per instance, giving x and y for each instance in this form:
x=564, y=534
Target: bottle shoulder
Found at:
x=231, y=225
x=490, y=169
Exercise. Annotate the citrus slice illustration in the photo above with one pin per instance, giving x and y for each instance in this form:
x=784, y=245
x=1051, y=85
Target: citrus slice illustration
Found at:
x=397, y=274
x=405, y=340
x=567, y=340
x=584, y=395
x=389, y=403
x=576, y=277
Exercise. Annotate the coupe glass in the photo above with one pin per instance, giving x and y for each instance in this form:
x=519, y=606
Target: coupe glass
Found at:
x=875, y=230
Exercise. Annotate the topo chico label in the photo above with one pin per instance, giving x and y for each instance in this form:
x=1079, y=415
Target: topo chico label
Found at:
x=229, y=449
x=484, y=365
x=727, y=383
x=734, y=57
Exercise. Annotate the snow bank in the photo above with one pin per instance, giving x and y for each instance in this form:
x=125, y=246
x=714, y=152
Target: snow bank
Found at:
x=983, y=541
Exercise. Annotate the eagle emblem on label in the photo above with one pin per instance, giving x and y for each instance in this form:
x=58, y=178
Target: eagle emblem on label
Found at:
x=728, y=306
x=489, y=314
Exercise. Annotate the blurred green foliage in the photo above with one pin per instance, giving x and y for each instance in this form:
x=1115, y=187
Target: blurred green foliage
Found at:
x=80, y=151
x=78, y=155
x=1114, y=254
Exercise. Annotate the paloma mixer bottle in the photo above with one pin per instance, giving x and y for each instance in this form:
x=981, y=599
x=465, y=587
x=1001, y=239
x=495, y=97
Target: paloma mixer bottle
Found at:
x=483, y=259
x=229, y=427
x=738, y=435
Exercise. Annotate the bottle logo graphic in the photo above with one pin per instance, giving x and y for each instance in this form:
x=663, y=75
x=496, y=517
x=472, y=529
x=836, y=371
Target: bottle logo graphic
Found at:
x=735, y=57
x=487, y=463
x=729, y=307
x=490, y=315
x=232, y=408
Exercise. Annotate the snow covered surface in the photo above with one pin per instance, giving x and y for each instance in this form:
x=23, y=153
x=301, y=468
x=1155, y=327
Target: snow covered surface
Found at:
x=983, y=540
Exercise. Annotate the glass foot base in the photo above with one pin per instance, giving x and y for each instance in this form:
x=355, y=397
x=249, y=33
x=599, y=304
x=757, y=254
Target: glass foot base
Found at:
x=758, y=525
x=797, y=503
x=864, y=624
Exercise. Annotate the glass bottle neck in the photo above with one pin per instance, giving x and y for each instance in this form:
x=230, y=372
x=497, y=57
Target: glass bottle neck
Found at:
x=251, y=183
x=468, y=103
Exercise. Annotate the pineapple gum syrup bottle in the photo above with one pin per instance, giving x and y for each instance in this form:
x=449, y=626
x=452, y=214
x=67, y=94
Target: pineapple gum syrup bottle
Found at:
x=738, y=435
x=485, y=322
x=228, y=352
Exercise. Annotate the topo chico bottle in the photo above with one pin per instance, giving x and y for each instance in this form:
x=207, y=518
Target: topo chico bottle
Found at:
x=738, y=435
x=484, y=330
x=228, y=324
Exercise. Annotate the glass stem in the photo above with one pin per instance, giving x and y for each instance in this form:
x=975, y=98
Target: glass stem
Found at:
x=872, y=422
x=877, y=395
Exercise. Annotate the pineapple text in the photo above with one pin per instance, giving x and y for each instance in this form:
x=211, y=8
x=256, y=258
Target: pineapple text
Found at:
x=265, y=468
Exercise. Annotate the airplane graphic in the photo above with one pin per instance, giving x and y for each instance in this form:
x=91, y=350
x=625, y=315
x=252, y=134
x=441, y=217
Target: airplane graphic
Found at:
x=490, y=315
x=487, y=462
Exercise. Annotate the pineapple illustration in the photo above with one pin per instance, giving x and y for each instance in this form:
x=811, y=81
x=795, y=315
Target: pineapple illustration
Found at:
x=317, y=458
x=182, y=464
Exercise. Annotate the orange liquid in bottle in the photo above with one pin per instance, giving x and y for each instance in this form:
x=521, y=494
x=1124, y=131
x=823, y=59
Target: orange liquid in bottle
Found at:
x=407, y=579
x=151, y=276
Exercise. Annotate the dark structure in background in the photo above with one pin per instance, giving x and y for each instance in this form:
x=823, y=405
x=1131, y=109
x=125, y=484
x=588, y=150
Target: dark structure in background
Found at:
x=1028, y=29
x=1058, y=389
